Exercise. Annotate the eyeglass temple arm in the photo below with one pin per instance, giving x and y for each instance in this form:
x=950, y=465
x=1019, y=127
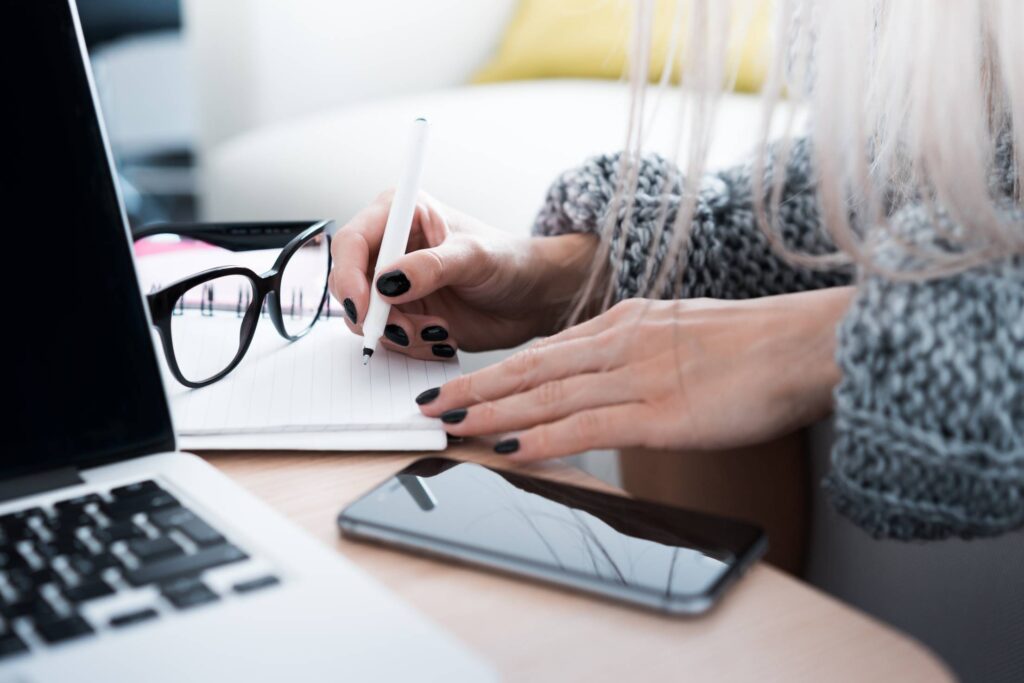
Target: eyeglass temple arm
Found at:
x=230, y=236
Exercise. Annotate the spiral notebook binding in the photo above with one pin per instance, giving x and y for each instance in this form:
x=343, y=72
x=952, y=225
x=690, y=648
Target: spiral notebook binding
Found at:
x=208, y=306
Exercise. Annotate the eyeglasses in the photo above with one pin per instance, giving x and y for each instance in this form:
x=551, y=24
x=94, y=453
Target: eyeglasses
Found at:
x=207, y=321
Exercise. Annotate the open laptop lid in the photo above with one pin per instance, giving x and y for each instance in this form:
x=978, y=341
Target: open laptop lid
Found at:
x=87, y=387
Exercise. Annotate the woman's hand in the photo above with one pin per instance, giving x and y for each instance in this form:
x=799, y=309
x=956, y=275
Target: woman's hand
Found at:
x=696, y=374
x=461, y=284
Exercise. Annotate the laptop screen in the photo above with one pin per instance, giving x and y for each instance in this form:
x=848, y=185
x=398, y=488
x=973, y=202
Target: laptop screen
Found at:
x=87, y=385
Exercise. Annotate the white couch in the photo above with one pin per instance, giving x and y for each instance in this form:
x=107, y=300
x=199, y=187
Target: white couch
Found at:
x=303, y=107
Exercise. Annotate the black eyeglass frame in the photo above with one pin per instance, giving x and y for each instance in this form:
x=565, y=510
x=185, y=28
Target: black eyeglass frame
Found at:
x=266, y=287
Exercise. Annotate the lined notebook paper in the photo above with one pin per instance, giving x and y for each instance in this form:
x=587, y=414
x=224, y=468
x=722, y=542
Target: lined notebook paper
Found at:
x=311, y=394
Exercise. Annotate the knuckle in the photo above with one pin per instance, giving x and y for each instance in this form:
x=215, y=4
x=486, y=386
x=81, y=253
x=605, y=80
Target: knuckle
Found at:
x=484, y=414
x=541, y=440
x=525, y=363
x=551, y=394
x=627, y=308
x=435, y=264
x=587, y=429
x=460, y=386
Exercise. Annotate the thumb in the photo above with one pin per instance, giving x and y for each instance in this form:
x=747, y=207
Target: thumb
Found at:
x=422, y=272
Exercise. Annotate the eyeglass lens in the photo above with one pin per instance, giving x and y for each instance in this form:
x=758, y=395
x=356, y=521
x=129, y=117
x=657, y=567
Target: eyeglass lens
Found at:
x=206, y=325
x=303, y=281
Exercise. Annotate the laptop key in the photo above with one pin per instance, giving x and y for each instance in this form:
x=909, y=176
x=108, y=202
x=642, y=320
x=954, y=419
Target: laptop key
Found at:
x=77, y=503
x=188, y=592
x=12, y=559
x=11, y=644
x=124, y=508
x=44, y=576
x=150, y=549
x=139, y=488
x=184, y=565
x=129, y=618
x=68, y=520
x=256, y=584
x=190, y=524
x=87, y=567
x=59, y=630
x=16, y=526
x=201, y=533
x=118, y=531
x=23, y=581
x=29, y=605
x=88, y=590
x=66, y=545
x=171, y=517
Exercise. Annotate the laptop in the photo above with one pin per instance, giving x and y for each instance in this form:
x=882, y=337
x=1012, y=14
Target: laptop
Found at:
x=121, y=559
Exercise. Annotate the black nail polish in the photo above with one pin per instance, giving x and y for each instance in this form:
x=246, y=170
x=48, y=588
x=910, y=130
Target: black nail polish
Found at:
x=454, y=416
x=434, y=333
x=350, y=310
x=396, y=334
x=393, y=283
x=443, y=350
x=506, y=446
x=428, y=396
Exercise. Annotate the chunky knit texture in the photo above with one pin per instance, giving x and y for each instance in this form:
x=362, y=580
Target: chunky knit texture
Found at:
x=930, y=410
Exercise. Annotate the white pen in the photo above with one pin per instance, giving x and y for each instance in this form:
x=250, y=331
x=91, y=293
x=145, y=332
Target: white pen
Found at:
x=396, y=235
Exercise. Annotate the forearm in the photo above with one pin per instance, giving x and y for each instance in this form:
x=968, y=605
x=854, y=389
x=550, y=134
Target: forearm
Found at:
x=726, y=255
x=562, y=265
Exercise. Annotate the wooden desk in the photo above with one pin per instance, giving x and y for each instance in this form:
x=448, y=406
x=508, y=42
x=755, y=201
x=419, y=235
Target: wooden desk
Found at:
x=769, y=626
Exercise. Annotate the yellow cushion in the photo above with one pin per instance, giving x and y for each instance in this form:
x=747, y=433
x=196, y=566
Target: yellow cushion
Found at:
x=590, y=39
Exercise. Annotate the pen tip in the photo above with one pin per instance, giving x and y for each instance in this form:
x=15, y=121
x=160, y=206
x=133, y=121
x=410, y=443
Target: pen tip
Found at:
x=366, y=355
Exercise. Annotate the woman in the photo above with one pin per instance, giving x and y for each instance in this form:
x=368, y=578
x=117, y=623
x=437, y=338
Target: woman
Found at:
x=874, y=267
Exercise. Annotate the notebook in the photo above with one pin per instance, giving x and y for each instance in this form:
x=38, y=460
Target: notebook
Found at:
x=310, y=394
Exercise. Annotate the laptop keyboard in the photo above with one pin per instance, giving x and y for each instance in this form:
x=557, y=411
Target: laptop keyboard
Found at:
x=56, y=562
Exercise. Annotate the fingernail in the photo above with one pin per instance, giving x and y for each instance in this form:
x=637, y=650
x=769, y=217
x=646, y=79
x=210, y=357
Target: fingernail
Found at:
x=396, y=334
x=443, y=350
x=393, y=283
x=350, y=310
x=506, y=446
x=428, y=395
x=434, y=333
x=454, y=416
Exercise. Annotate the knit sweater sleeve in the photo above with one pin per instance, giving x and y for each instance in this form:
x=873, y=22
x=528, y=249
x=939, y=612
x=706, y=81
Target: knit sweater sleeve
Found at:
x=930, y=408
x=727, y=257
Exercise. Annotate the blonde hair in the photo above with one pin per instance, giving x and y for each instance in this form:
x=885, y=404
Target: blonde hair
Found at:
x=905, y=99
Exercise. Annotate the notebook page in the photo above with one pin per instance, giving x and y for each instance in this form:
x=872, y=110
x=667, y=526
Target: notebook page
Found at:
x=315, y=384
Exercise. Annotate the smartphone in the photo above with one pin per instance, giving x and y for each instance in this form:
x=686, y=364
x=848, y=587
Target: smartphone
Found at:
x=656, y=556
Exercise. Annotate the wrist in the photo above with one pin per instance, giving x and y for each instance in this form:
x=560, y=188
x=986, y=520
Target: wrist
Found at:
x=563, y=264
x=813, y=384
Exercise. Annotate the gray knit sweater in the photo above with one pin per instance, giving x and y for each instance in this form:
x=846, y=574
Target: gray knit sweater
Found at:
x=930, y=410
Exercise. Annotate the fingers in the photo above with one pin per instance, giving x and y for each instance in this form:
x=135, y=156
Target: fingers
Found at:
x=523, y=371
x=348, y=281
x=616, y=426
x=546, y=403
x=422, y=272
x=421, y=336
x=354, y=250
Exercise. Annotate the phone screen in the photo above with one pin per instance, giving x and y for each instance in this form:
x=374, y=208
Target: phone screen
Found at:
x=654, y=554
